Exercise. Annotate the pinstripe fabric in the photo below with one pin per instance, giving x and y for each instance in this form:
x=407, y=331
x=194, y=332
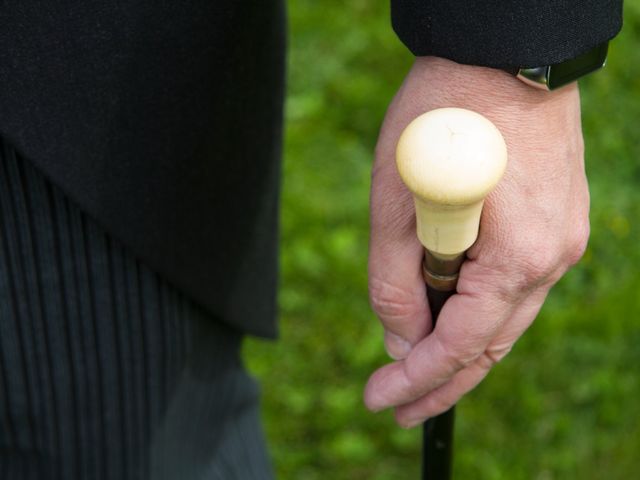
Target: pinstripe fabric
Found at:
x=106, y=370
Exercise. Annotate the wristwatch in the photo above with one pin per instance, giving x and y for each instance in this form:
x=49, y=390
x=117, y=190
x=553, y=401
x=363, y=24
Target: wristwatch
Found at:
x=550, y=77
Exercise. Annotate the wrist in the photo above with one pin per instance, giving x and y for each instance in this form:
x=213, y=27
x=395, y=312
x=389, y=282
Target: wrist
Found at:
x=486, y=87
x=517, y=109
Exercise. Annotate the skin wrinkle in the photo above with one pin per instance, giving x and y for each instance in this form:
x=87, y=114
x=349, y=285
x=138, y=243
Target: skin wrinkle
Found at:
x=393, y=302
x=397, y=218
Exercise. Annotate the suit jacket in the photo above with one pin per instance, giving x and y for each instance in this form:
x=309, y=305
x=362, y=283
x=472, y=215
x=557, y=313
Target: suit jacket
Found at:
x=163, y=119
x=505, y=33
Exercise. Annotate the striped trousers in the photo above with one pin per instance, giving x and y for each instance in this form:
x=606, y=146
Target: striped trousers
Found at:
x=106, y=370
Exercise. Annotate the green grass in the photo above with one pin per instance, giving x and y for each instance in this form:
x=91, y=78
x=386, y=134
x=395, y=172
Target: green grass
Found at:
x=564, y=404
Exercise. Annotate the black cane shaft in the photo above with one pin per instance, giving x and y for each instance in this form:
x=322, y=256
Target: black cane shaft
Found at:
x=437, y=446
x=441, y=277
x=437, y=299
x=437, y=432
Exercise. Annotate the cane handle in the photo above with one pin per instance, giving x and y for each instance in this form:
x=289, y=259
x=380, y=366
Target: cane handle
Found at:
x=450, y=159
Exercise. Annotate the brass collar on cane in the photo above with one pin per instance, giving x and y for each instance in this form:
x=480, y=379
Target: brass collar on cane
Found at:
x=441, y=273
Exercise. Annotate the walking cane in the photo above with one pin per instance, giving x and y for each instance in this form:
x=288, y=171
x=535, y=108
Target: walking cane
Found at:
x=450, y=159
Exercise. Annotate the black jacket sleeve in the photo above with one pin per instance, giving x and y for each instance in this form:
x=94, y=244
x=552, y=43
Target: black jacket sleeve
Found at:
x=505, y=33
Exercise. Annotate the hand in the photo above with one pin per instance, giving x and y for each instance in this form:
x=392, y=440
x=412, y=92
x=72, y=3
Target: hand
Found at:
x=533, y=228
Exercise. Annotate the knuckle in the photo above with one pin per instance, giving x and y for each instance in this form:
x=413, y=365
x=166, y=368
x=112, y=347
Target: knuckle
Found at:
x=493, y=355
x=458, y=355
x=538, y=268
x=532, y=265
x=544, y=264
x=522, y=269
x=578, y=241
x=390, y=302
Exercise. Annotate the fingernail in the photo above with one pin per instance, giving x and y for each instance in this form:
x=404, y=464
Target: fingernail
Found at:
x=397, y=347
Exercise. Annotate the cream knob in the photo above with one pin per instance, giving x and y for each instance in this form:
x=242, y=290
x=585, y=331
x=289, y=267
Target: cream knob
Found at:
x=450, y=159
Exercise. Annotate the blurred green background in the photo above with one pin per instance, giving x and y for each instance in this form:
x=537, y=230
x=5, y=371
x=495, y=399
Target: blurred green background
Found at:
x=564, y=404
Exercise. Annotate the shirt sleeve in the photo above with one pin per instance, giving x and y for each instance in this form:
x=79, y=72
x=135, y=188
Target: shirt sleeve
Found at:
x=505, y=33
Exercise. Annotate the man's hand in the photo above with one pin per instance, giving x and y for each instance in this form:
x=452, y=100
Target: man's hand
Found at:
x=534, y=226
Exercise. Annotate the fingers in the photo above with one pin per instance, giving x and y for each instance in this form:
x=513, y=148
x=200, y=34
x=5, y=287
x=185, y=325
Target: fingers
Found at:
x=447, y=395
x=443, y=398
x=446, y=377
x=396, y=287
x=468, y=322
x=466, y=325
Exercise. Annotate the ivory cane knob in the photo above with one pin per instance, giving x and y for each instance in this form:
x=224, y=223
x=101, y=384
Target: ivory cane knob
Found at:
x=450, y=159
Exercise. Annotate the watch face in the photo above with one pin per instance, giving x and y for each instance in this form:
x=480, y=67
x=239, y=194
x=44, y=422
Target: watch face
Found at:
x=571, y=70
